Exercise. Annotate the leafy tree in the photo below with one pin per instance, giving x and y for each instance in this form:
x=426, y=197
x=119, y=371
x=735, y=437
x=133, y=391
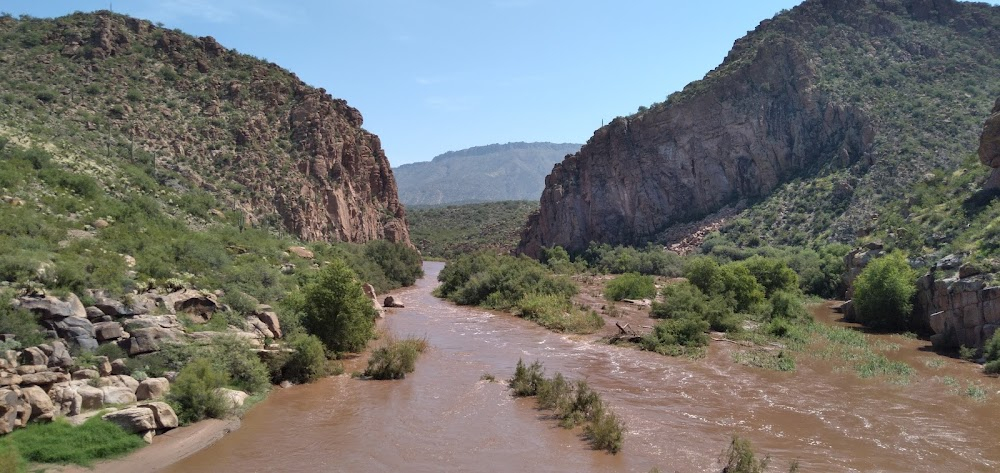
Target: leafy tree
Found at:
x=883, y=293
x=772, y=273
x=336, y=310
x=399, y=262
x=193, y=392
x=630, y=286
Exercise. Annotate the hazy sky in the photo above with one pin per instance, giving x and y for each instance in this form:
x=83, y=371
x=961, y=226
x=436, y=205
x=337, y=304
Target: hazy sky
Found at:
x=440, y=75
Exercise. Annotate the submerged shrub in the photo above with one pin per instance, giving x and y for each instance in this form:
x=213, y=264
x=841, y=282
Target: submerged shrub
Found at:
x=307, y=362
x=395, y=358
x=740, y=457
x=883, y=293
x=527, y=379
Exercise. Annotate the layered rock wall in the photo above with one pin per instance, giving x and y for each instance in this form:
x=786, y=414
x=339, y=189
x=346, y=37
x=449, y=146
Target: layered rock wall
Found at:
x=747, y=132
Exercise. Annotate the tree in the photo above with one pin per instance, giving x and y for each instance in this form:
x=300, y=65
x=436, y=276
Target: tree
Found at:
x=336, y=310
x=883, y=293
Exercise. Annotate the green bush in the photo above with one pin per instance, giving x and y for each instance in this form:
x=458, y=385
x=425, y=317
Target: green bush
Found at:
x=555, y=312
x=606, y=431
x=652, y=260
x=733, y=281
x=11, y=460
x=992, y=367
x=991, y=350
x=527, y=379
x=336, y=309
x=243, y=368
x=883, y=293
x=771, y=273
x=59, y=442
x=740, y=457
x=400, y=263
x=21, y=323
x=673, y=336
x=499, y=282
x=680, y=300
x=787, y=305
x=307, y=362
x=193, y=392
x=630, y=286
x=395, y=358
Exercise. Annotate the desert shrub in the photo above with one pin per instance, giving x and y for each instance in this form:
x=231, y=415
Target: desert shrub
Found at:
x=652, y=260
x=883, y=293
x=499, y=282
x=733, y=281
x=786, y=305
x=606, y=431
x=193, y=392
x=196, y=202
x=673, y=336
x=992, y=367
x=19, y=322
x=79, y=184
x=240, y=363
x=170, y=357
x=740, y=457
x=630, y=286
x=771, y=273
x=110, y=350
x=395, y=358
x=59, y=442
x=307, y=362
x=11, y=460
x=682, y=299
x=555, y=393
x=400, y=263
x=527, y=379
x=991, y=350
x=336, y=309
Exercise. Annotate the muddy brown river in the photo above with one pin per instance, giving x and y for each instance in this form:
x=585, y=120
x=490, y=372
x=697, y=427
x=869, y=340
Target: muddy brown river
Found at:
x=680, y=413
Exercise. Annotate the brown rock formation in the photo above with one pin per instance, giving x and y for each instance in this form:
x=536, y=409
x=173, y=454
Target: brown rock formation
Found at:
x=747, y=132
x=989, y=146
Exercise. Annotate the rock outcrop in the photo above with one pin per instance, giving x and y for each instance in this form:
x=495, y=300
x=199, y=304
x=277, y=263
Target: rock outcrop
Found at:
x=989, y=146
x=751, y=130
x=266, y=144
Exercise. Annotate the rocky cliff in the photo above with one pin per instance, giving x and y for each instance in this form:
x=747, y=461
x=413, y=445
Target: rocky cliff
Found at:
x=821, y=90
x=113, y=89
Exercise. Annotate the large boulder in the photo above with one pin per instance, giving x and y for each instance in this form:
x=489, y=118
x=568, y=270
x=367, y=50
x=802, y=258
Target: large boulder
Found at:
x=136, y=420
x=9, y=379
x=34, y=356
x=10, y=405
x=67, y=399
x=78, y=330
x=49, y=307
x=120, y=366
x=231, y=397
x=90, y=397
x=191, y=302
x=391, y=302
x=113, y=307
x=108, y=331
x=163, y=414
x=152, y=388
x=270, y=319
x=41, y=405
x=148, y=340
x=58, y=354
x=118, y=395
x=989, y=141
x=104, y=367
x=43, y=378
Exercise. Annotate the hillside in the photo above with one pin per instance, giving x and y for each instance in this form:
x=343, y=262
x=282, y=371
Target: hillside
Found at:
x=814, y=125
x=453, y=230
x=111, y=96
x=512, y=171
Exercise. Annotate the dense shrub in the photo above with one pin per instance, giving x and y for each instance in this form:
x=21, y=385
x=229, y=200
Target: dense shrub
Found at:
x=630, y=286
x=21, y=323
x=740, y=458
x=787, y=305
x=771, y=273
x=674, y=336
x=395, y=358
x=883, y=293
x=652, y=260
x=555, y=312
x=193, y=392
x=499, y=282
x=336, y=310
x=400, y=263
x=606, y=431
x=527, y=379
x=243, y=367
x=733, y=281
x=680, y=300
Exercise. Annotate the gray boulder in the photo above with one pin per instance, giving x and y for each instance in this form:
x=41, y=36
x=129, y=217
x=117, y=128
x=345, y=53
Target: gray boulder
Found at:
x=118, y=395
x=163, y=415
x=41, y=405
x=136, y=420
x=107, y=331
x=152, y=388
x=49, y=307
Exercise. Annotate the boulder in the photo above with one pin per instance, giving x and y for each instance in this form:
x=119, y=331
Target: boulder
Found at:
x=43, y=378
x=152, y=388
x=301, y=252
x=67, y=400
x=120, y=366
x=95, y=315
x=85, y=374
x=168, y=321
x=391, y=302
x=49, y=307
x=10, y=405
x=259, y=327
x=104, y=367
x=118, y=395
x=189, y=301
x=107, y=331
x=60, y=357
x=270, y=319
x=41, y=405
x=8, y=379
x=148, y=340
x=989, y=140
x=163, y=415
x=34, y=356
x=30, y=369
x=370, y=292
x=232, y=397
x=90, y=397
x=136, y=420
x=113, y=308
x=79, y=330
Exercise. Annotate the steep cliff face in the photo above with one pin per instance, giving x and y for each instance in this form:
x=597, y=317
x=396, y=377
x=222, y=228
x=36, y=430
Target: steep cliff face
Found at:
x=753, y=129
x=204, y=117
x=816, y=120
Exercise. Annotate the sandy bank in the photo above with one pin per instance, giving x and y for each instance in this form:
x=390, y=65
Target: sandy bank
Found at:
x=165, y=450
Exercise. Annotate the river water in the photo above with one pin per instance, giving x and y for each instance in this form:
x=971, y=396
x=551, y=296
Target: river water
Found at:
x=680, y=413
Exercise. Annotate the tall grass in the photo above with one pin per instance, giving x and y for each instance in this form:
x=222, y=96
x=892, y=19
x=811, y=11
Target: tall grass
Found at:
x=60, y=442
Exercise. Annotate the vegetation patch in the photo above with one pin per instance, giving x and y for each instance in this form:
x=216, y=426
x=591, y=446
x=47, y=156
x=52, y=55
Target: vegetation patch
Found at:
x=630, y=286
x=395, y=358
x=572, y=403
x=60, y=442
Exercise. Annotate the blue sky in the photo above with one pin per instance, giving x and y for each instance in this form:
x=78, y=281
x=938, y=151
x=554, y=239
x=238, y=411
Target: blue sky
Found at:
x=439, y=75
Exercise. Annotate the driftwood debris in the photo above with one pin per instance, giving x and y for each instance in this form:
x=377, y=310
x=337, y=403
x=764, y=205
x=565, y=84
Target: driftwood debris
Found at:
x=626, y=333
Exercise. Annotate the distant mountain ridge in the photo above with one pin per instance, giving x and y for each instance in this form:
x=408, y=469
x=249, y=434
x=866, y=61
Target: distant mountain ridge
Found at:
x=497, y=172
